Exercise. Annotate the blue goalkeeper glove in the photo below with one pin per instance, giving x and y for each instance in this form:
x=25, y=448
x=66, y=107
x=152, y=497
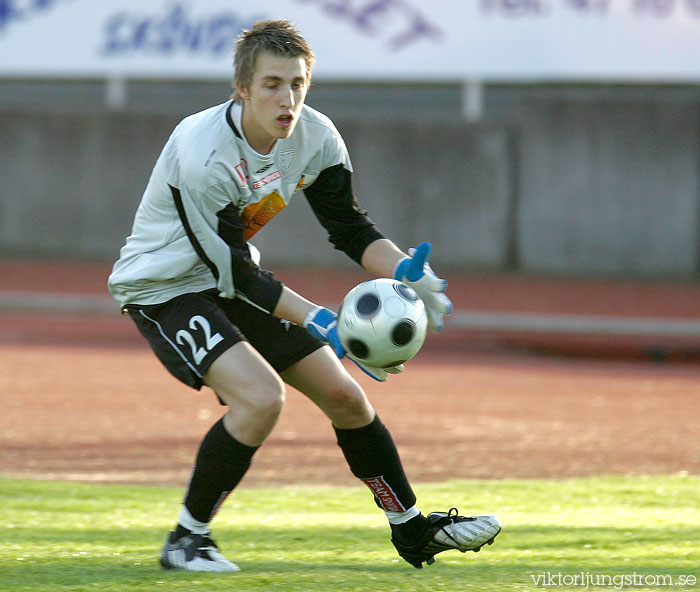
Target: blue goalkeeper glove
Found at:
x=379, y=374
x=415, y=271
x=322, y=324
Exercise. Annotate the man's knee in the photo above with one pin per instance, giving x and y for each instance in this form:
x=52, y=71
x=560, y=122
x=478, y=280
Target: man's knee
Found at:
x=261, y=399
x=346, y=395
x=244, y=381
x=269, y=398
x=253, y=408
x=264, y=398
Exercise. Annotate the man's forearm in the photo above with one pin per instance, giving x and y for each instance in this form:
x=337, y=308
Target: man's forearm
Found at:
x=381, y=257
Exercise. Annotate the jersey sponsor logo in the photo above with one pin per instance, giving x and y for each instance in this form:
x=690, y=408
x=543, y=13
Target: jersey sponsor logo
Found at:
x=257, y=214
x=388, y=500
x=286, y=158
x=266, y=179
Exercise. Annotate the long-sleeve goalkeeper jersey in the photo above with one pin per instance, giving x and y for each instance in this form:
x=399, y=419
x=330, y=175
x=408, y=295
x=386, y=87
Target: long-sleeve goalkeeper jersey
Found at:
x=210, y=192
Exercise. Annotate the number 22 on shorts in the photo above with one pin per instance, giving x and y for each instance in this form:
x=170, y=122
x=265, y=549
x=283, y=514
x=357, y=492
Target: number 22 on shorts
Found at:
x=198, y=324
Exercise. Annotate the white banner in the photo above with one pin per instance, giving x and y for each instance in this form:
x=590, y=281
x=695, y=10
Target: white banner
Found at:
x=395, y=40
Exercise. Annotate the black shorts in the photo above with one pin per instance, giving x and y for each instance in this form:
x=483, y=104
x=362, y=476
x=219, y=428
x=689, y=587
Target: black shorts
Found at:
x=190, y=331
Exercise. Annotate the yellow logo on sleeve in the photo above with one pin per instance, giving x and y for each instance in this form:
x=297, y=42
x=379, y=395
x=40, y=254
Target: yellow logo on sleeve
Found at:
x=257, y=214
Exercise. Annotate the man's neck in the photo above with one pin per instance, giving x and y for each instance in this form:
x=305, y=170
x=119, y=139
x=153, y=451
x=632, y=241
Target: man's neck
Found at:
x=262, y=145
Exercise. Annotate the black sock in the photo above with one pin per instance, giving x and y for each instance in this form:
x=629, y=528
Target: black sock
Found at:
x=410, y=530
x=181, y=531
x=373, y=458
x=221, y=463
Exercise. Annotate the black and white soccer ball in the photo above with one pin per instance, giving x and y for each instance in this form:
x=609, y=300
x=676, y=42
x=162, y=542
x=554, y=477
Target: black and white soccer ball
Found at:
x=382, y=323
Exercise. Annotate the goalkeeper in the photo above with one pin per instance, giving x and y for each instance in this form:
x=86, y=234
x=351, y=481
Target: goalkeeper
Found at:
x=191, y=283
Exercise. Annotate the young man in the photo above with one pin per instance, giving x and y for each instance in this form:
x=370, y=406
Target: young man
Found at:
x=192, y=285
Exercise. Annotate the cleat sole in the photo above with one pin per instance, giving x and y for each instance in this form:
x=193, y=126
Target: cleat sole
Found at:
x=486, y=543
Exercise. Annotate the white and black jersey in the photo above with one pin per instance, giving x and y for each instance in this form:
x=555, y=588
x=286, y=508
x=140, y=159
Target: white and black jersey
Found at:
x=210, y=192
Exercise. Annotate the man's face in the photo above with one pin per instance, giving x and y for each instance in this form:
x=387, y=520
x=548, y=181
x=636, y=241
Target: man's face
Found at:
x=272, y=102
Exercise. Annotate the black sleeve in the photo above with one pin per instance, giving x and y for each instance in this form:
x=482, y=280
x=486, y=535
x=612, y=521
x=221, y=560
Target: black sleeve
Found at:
x=257, y=285
x=332, y=200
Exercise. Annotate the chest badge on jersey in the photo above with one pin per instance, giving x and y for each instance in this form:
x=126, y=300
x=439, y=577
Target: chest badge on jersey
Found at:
x=286, y=158
x=257, y=214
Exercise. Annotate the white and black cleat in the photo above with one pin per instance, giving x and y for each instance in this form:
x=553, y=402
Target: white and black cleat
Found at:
x=194, y=552
x=449, y=530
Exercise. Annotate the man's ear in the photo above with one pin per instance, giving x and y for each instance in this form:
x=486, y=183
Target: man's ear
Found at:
x=242, y=90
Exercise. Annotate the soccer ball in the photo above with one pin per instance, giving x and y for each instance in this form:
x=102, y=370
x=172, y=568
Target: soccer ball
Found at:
x=382, y=323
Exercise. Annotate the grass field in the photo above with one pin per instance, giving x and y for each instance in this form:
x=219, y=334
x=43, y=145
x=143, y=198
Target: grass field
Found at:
x=632, y=533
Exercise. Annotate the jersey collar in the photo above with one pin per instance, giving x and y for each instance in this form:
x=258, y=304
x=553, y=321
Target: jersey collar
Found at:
x=229, y=119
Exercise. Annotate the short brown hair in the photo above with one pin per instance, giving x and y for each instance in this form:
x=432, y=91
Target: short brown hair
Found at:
x=278, y=37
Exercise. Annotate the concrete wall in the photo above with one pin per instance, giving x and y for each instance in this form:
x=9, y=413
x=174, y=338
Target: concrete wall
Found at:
x=609, y=186
x=582, y=180
x=71, y=182
x=444, y=184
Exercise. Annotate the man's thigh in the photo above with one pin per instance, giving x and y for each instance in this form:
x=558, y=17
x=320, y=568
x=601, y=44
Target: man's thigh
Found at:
x=187, y=334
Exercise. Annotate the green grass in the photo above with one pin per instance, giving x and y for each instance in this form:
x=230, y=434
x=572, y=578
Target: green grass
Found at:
x=75, y=537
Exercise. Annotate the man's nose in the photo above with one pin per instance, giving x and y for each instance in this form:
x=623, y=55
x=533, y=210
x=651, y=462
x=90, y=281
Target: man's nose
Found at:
x=288, y=98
